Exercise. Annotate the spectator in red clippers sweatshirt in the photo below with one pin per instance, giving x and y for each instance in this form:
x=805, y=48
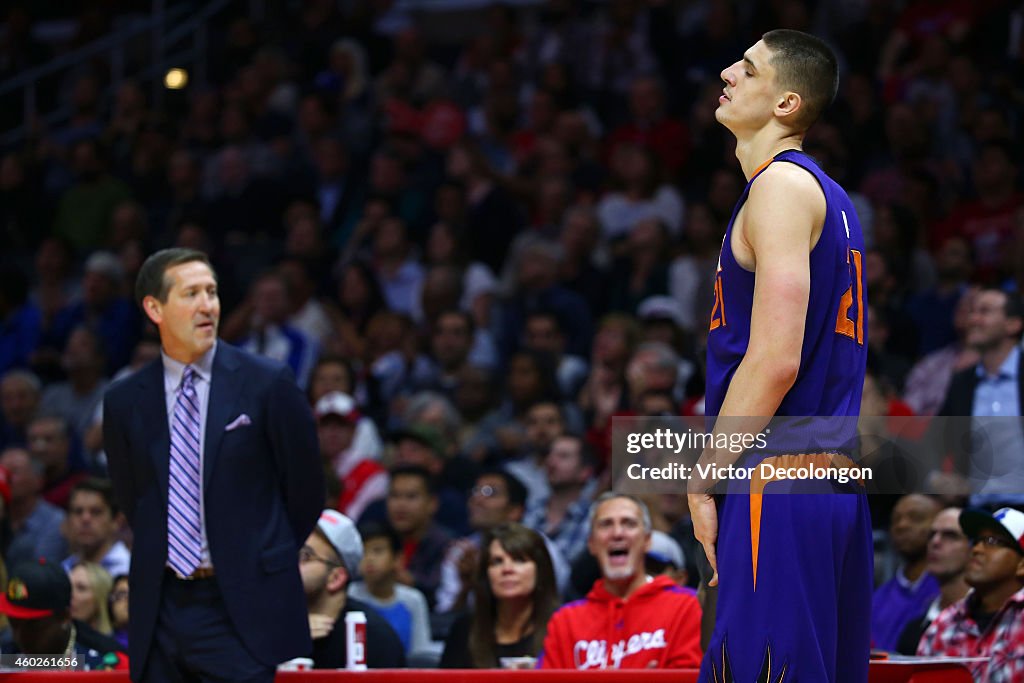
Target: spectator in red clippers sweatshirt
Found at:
x=629, y=620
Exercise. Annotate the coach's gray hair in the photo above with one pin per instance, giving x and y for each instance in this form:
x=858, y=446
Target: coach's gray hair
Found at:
x=611, y=495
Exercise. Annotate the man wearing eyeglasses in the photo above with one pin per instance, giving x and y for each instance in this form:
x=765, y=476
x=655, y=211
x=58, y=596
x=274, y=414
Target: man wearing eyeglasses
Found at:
x=948, y=552
x=989, y=621
x=327, y=562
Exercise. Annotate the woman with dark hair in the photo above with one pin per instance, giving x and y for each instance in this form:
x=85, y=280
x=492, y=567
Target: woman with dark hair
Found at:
x=514, y=598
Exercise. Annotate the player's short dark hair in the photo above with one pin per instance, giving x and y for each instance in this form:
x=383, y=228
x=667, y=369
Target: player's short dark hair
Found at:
x=373, y=529
x=102, y=487
x=806, y=65
x=152, y=279
x=416, y=471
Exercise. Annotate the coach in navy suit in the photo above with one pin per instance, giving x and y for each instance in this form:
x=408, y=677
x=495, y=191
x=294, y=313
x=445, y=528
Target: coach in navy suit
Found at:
x=213, y=454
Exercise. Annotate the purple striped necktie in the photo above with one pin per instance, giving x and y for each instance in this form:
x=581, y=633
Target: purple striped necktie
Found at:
x=184, y=549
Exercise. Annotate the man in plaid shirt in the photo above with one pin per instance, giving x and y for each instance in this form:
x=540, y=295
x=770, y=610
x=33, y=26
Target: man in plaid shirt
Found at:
x=564, y=513
x=989, y=621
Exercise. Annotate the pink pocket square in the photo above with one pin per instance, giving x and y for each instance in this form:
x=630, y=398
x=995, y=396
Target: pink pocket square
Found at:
x=240, y=421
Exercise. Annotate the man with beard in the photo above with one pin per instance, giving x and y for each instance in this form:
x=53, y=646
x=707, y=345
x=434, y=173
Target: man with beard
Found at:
x=328, y=560
x=629, y=620
x=562, y=513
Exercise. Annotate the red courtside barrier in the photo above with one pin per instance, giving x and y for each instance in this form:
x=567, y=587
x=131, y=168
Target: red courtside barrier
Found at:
x=881, y=672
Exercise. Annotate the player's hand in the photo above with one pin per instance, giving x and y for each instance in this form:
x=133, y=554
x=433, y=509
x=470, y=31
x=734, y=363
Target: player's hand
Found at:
x=320, y=625
x=704, y=516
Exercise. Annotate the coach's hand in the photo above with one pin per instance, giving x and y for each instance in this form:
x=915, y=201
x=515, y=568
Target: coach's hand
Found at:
x=704, y=516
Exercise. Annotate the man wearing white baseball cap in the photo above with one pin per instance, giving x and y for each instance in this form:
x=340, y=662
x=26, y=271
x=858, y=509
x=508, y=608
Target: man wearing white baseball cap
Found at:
x=989, y=621
x=328, y=560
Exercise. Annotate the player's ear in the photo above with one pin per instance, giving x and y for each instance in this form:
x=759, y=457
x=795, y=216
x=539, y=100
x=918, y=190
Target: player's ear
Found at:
x=788, y=104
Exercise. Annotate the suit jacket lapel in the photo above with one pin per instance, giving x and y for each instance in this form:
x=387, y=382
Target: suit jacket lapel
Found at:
x=153, y=407
x=225, y=389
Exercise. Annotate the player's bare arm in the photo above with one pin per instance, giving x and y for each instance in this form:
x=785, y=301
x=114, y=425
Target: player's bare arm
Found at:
x=778, y=226
x=783, y=217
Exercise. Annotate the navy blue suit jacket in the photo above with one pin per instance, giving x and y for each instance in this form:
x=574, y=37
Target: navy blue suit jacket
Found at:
x=263, y=491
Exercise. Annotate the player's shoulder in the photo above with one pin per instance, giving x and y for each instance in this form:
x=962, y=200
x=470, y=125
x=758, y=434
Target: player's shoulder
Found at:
x=785, y=194
x=785, y=181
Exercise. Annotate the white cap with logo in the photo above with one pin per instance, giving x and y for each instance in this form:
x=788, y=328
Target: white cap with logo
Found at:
x=1007, y=522
x=341, y=533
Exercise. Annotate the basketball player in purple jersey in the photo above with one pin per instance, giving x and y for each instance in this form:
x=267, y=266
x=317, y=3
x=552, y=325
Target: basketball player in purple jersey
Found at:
x=787, y=338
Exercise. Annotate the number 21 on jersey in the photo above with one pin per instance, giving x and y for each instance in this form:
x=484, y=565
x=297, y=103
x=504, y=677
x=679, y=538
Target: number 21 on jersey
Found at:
x=718, y=310
x=845, y=325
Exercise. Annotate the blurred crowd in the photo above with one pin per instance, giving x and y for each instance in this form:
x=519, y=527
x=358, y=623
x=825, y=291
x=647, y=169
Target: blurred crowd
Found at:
x=474, y=255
